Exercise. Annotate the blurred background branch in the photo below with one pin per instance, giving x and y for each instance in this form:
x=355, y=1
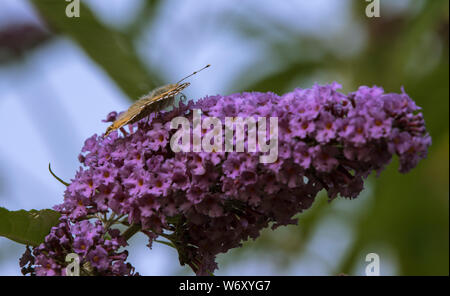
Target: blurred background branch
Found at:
x=110, y=49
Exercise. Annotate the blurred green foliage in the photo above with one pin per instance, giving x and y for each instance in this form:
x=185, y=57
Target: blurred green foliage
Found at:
x=111, y=50
x=409, y=213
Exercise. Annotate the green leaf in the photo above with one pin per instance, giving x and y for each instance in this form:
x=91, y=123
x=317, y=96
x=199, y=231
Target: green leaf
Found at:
x=27, y=227
x=110, y=49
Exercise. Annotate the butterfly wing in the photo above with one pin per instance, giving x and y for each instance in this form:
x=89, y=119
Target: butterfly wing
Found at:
x=156, y=100
x=167, y=91
x=126, y=116
x=164, y=98
x=160, y=90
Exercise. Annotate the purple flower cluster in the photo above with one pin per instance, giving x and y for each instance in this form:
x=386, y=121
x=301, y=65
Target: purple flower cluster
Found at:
x=97, y=250
x=207, y=203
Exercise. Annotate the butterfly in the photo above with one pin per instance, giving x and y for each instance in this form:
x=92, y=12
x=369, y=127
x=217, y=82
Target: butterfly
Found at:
x=154, y=101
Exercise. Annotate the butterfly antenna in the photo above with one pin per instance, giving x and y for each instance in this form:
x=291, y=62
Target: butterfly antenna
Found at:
x=194, y=73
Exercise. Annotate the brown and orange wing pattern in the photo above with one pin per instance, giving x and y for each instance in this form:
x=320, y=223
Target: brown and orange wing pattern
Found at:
x=155, y=101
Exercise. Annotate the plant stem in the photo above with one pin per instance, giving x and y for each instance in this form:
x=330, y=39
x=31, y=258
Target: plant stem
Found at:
x=166, y=243
x=56, y=177
x=130, y=231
